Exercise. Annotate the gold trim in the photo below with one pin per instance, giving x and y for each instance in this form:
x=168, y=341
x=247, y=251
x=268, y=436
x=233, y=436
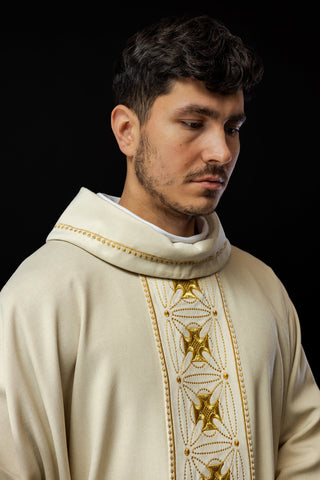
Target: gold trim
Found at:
x=243, y=394
x=172, y=452
x=218, y=385
x=131, y=251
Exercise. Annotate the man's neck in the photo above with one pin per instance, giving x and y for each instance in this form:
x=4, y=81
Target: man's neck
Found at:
x=176, y=224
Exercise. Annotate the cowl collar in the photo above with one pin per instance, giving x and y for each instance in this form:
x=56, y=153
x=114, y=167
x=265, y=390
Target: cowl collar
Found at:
x=107, y=232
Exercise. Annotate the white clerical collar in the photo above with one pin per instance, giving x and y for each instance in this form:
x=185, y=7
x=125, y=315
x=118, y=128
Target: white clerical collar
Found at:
x=202, y=223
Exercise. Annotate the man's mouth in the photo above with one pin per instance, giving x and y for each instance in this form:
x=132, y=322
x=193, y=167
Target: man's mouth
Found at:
x=210, y=182
x=213, y=179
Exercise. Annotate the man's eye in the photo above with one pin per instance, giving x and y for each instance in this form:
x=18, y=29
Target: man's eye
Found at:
x=192, y=125
x=233, y=131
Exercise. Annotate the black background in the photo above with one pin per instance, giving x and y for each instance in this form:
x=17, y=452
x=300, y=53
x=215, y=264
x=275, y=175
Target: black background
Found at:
x=55, y=108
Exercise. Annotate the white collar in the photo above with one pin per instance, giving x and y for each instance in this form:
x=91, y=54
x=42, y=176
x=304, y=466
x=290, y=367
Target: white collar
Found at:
x=202, y=223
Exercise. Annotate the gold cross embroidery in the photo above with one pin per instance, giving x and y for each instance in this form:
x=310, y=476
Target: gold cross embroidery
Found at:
x=187, y=287
x=196, y=344
x=206, y=411
x=215, y=473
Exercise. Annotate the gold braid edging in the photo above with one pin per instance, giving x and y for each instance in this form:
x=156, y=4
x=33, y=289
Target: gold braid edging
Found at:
x=137, y=253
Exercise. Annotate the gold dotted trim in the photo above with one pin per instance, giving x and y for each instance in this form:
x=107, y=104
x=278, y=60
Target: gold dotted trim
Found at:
x=172, y=453
x=137, y=253
x=245, y=408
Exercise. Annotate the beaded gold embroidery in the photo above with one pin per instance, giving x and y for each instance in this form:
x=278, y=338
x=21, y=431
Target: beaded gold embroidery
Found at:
x=209, y=431
x=132, y=251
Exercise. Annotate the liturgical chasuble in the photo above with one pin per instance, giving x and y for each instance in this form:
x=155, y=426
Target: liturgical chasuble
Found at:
x=127, y=356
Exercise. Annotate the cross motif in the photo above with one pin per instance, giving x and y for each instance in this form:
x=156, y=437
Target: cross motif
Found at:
x=187, y=287
x=196, y=344
x=215, y=473
x=206, y=411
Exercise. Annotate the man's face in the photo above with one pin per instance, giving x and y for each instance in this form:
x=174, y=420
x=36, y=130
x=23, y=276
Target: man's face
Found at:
x=188, y=148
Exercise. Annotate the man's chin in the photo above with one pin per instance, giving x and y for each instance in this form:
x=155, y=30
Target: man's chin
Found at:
x=195, y=207
x=207, y=207
x=197, y=211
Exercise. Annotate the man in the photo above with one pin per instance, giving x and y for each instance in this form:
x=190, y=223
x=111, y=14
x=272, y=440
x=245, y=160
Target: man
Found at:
x=137, y=342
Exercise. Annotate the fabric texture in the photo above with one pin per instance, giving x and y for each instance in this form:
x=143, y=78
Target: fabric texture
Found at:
x=125, y=355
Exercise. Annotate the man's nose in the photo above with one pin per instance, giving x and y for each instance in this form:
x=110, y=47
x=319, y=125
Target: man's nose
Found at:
x=216, y=149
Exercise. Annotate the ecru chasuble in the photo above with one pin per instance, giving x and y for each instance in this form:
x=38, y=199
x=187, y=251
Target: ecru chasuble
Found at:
x=127, y=356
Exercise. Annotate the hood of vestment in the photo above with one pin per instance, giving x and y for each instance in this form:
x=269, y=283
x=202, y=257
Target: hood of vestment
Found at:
x=116, y=237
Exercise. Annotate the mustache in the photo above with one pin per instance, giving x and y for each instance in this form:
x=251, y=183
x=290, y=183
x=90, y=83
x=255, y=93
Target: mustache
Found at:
x=214, y=170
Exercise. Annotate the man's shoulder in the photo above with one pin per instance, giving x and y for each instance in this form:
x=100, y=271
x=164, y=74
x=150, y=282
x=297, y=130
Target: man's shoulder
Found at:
x=247, y=269
x=49, y=270
x=252, y=276
x=40, y=305
x=245, y=260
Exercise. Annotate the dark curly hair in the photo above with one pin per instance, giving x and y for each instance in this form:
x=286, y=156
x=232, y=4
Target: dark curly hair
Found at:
x=200, y=48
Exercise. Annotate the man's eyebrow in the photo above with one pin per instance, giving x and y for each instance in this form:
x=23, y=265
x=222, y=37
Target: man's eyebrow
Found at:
x=240, y=118
x=208, y=112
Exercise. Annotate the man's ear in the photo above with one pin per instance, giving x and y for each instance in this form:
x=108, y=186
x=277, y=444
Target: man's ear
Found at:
x=126, y=128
